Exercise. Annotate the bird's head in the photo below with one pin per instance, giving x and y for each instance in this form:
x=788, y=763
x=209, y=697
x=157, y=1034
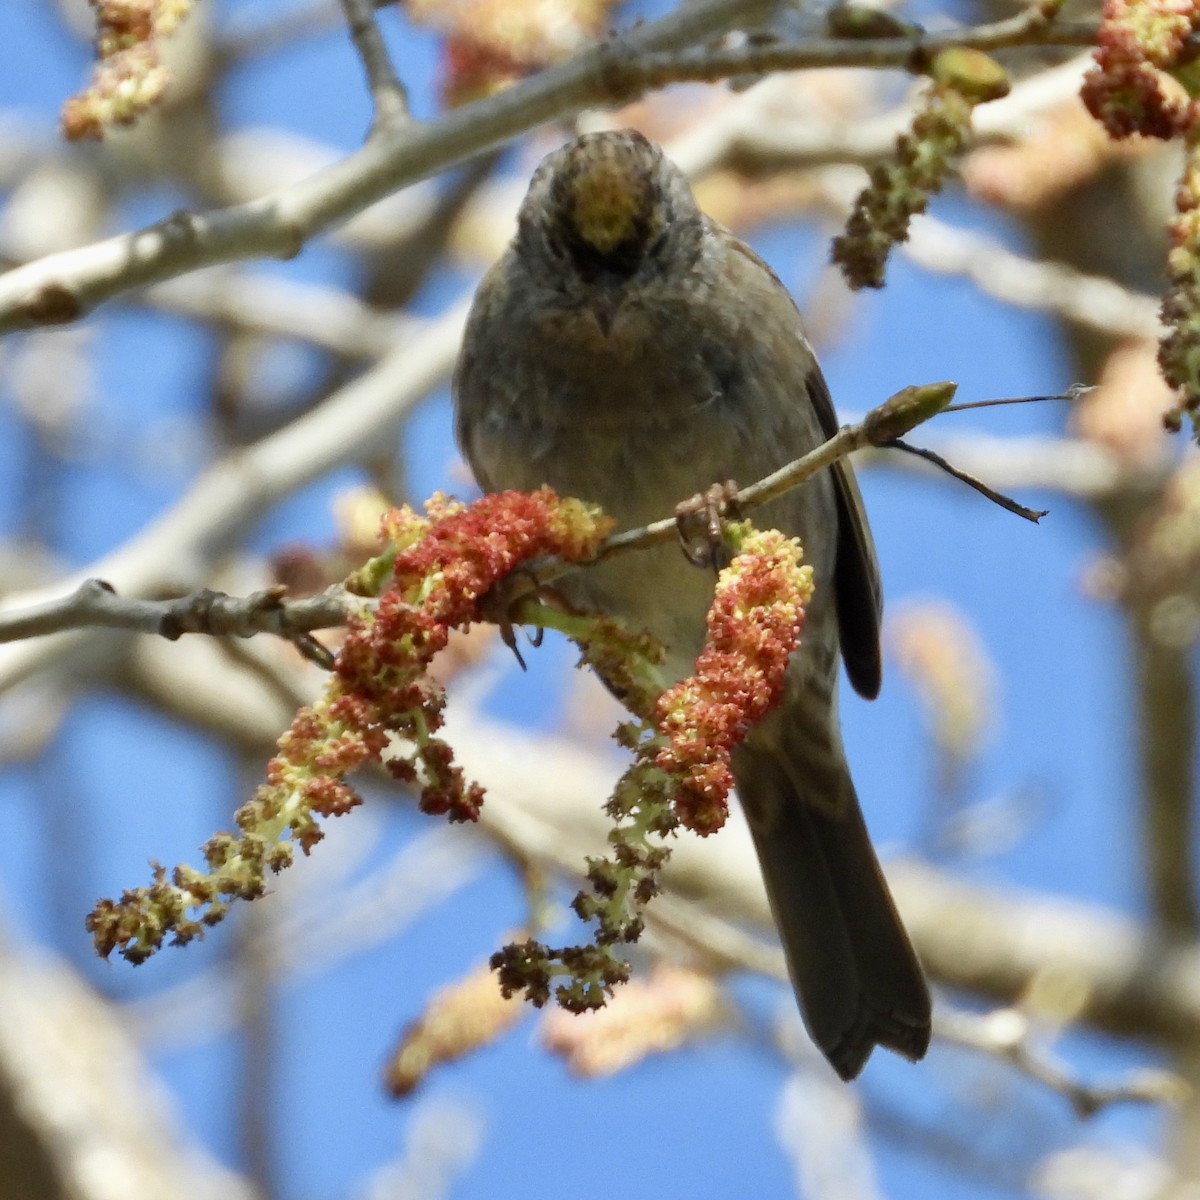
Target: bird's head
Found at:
x=609, y=208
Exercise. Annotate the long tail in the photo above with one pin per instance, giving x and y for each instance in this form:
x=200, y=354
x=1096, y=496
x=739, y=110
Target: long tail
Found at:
x=853, y=968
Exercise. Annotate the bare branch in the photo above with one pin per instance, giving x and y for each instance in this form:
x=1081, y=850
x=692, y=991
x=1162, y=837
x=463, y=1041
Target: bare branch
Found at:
x=881, y=426
x=760, y=132
x=387, y=92
x=64, y=287
x=984, y=940
x=95, y=604
x=322, y=316
x=1166, y=712
x=169, y=554
x=253, y=33
x=1116, y=974
x=722, y=947
x=989, y=941
x=1029, y=28
x=1091, y=301
x=81, y=1114
x=1088, y=300
x=1006, y=1034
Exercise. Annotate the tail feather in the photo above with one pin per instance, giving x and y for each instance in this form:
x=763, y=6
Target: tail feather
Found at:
x=855, y=973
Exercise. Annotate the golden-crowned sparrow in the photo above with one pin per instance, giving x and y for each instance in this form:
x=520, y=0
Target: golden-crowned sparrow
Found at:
x=630, y=351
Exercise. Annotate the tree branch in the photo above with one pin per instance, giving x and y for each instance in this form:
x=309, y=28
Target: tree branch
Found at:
x=1033, y=27
x=759, y=131
x=1166, y=710
x=64, y=287
x=1064, y=291
x=81, y=1114
x=1006, y=1034
x=895, y=416
x=169, y=554
x=388, y=94
x=95, y=604
x=987, y=941
x=259, y=303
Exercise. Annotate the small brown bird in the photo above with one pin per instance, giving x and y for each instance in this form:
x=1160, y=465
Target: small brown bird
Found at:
x=628, y=350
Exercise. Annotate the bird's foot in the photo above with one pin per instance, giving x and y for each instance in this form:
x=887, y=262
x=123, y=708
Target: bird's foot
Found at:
x=701, y=525
x=500, y=604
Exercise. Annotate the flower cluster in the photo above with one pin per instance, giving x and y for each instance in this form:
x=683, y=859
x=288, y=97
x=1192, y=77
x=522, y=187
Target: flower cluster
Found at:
x=492, y=43
x=129, y=77
x=1145, y=81
x=753, y=627
x=924, y=158
x=681, y=770
x=1140, y=84
x=380, y=705
x=461, y=1017
x=441, y=572
x=661, y=1012
x=1179, y=350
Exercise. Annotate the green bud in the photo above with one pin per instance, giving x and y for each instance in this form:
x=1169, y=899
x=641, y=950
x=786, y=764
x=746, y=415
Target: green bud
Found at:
x=977, y=76
x=906, y=410
x=862, y=21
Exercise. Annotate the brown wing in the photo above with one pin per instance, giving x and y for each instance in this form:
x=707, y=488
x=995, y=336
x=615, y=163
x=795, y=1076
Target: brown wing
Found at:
x=856, y=575
x=859, y=592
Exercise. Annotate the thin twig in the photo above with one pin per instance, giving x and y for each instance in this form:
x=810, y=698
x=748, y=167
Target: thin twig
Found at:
x=1075, y=392
x=255, y=302
x=388, y=94
x=1091, y=301
x=1005, y=502
x=761, y=132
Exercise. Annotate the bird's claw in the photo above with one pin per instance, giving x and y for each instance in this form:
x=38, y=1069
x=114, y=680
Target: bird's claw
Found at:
x=701, y=524
x=499, y=603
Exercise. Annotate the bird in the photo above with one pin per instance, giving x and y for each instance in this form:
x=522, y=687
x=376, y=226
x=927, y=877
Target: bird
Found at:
x=628, y=350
